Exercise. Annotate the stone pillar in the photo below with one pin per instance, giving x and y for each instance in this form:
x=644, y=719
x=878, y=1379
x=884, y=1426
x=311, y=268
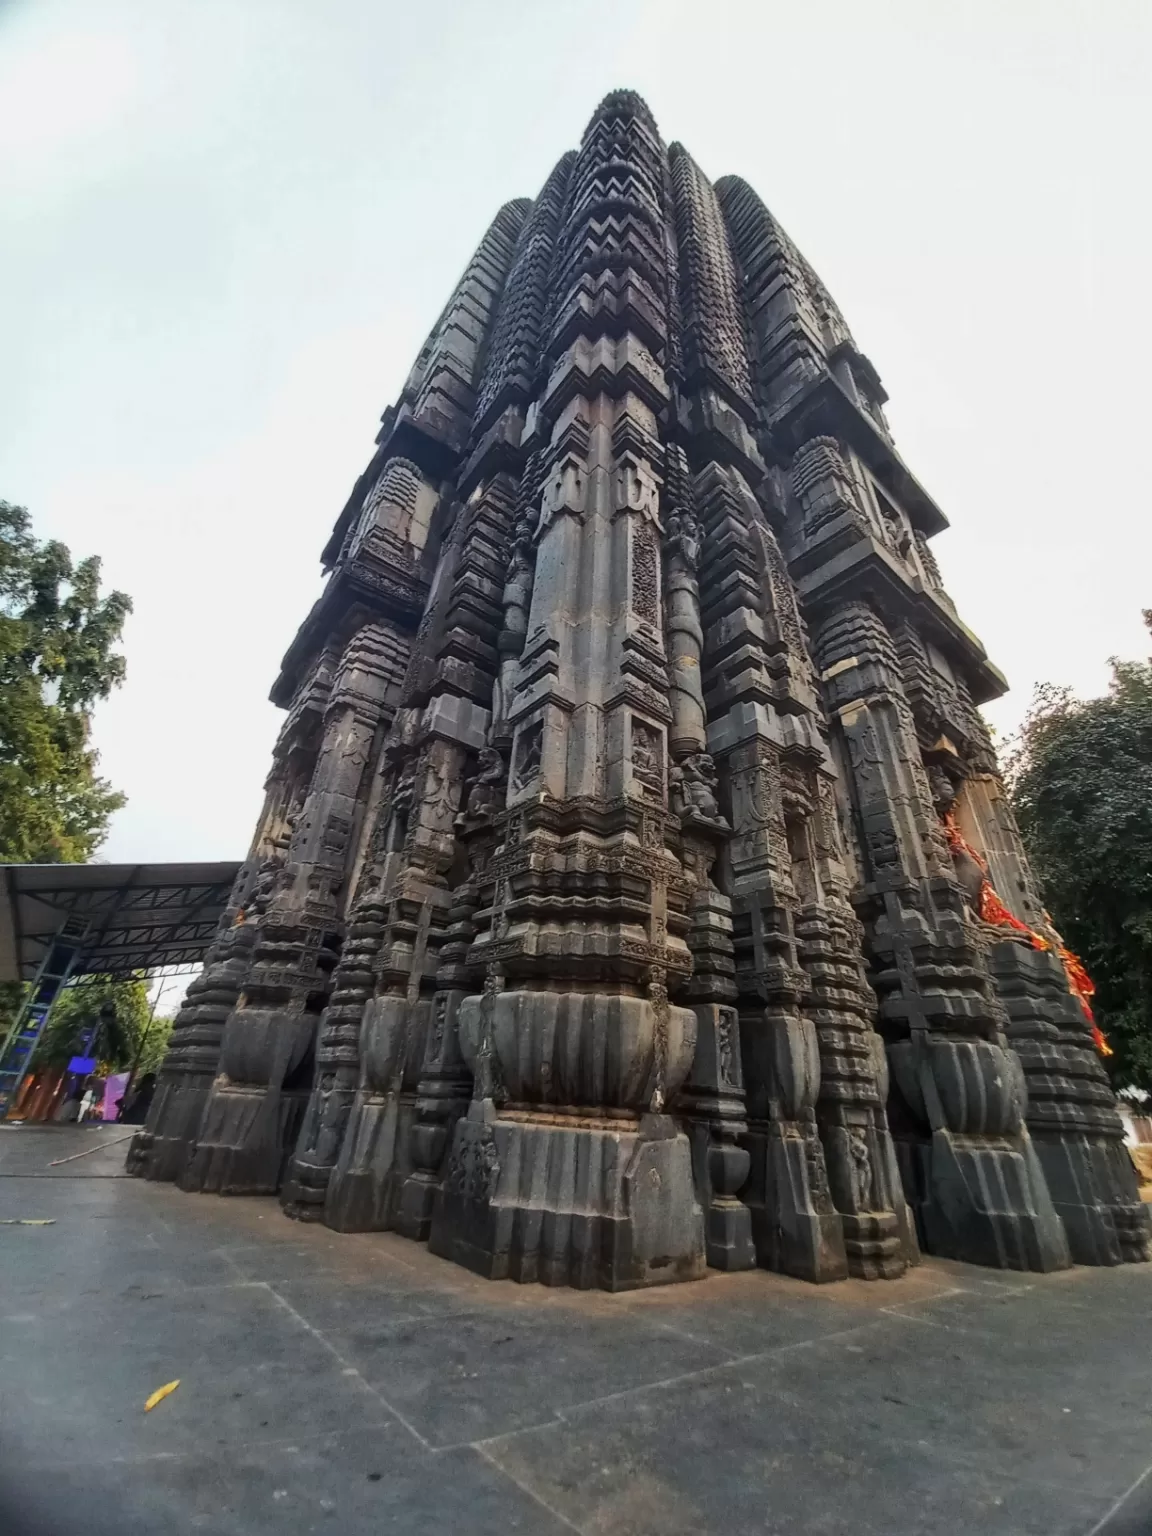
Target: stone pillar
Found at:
x=794, y=1225
x=352, y=1158
x=159, y=1150
x=355, y=1143
x=685, y=637
x=573, y=1075
x=338, y=1048
x=970, y=1171
x=346, y=1162
x=567, y=1168
x=373, y=1158
x=253, y=1112
x=355, y=1157
x=711, y=1102
x=480, y=597
x=794, y=1221
x=444, y=1085
x=851, y=1108
x=1072, y=1115
x=162, y=1148
x=376, y=1160
x=517, y=598
x=367, y=1112
x=821, y=1180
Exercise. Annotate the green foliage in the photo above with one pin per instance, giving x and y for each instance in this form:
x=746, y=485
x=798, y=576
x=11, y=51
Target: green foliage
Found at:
x=57, y=658
x=1081, y=782
x=120, y=1006
x=11, y=999
x=155, y=1047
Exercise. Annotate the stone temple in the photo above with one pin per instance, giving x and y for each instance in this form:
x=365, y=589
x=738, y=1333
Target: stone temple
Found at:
x=635, y=890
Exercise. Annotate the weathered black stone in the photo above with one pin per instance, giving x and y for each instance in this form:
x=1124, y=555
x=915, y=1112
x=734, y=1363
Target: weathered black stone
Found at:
x=600, y=924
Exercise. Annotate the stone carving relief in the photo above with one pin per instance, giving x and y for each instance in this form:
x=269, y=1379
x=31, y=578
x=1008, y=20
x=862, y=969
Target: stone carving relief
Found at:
x=637, y=491
x=692, y=788
x=529, y=748
x=647, y=753
x=645, y=574
x=565, y=492
x=862, y=1175
x=473, y=1168
x=485, y=790
x=683, y=540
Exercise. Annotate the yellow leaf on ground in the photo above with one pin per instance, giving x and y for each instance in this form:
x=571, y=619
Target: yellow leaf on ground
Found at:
x=160, y=1394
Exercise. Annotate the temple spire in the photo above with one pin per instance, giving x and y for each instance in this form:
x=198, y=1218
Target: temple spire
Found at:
x=619, y=904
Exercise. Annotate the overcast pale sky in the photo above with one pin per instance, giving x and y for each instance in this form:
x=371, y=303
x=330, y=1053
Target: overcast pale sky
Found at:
x=228, y=225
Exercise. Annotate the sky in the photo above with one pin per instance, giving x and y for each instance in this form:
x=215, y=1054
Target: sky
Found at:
x=229, y=224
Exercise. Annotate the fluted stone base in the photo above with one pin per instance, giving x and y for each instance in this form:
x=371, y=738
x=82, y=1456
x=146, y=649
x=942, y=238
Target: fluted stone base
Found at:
x=792, y=1234
x=374, y=1163
x=1071, y=1114
x=580, y=1203
x=305, y=1188
x=245, y=1141
x=983, y=1202
x=1093, y=1189
x=162, y=1153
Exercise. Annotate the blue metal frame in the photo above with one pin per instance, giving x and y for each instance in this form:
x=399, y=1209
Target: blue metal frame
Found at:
x=56, y=968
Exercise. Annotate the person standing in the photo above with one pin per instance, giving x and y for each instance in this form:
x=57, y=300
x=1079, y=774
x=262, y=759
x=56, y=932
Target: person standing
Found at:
x=69, y=1110
x=135, y=1110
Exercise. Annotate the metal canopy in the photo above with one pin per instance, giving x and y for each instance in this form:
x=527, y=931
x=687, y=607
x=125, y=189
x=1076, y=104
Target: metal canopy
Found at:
x=135, y=917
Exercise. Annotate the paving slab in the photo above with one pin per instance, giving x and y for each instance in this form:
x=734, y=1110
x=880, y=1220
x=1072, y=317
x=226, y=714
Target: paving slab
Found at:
x=355, y=1382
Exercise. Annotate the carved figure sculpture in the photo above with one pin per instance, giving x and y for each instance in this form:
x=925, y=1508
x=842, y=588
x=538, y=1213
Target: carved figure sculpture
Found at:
x=610, y=915
x=694, y=791
x=486, y=789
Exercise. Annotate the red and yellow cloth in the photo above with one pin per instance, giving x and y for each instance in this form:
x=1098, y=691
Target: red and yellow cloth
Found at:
x=990, y=909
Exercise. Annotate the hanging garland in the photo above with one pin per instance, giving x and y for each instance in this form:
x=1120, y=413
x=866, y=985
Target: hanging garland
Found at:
x=991, y=909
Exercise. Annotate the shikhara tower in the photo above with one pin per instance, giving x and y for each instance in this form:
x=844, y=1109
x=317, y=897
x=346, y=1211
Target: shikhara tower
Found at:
x=615, y=908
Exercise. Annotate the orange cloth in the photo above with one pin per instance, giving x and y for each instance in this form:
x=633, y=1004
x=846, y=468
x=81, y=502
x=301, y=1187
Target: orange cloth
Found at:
x=991, y=909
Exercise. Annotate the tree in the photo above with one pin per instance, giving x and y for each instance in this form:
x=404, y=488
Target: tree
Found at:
x=155, y=1043
x=117, y=1009
x=1081, y=781
x=57, y=659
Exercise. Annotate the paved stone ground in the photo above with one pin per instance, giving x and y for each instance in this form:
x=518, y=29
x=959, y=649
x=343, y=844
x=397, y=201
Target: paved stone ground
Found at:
x=353, y=1384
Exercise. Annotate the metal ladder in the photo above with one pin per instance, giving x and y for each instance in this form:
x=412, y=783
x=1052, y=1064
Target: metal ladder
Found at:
x=55, y=969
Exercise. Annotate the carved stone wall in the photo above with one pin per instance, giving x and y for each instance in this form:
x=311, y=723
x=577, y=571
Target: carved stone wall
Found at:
x=601, y=924
x=253, y=1110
